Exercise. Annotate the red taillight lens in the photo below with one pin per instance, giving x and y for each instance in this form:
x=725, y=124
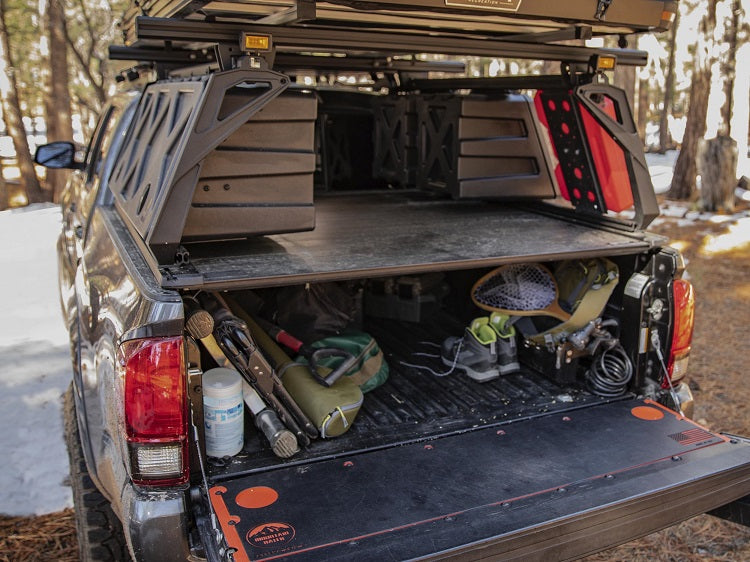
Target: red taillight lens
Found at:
x=156, y=410
x=682, y=328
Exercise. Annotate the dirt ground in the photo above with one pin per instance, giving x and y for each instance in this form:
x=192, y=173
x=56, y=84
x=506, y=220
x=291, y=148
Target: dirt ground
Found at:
x=718, y=254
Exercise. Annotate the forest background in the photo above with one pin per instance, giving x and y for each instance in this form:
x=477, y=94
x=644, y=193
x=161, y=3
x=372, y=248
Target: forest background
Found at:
x=691, y=95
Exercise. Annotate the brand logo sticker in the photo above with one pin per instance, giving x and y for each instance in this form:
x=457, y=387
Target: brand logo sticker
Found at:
x=499, y=5
x=270, y=534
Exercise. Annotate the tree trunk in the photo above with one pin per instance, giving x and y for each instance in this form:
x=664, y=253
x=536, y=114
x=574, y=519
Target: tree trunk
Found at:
x=685, y=169
x=57, y=96
x=718, y=159
x=642, y=115
x=4, y=195
x=718, y=169
x=625, y=80
x=741, y=110
x=666, y=111
x=728, y=68
x=13, y=117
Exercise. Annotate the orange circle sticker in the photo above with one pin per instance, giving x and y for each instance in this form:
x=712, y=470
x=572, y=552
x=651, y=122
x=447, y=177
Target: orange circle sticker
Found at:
x=647, y=413
x=255, y=498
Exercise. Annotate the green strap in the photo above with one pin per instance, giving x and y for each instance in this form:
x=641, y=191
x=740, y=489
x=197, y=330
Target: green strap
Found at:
x=368, y=369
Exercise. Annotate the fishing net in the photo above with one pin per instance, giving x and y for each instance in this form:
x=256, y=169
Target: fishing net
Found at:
x=516, y=288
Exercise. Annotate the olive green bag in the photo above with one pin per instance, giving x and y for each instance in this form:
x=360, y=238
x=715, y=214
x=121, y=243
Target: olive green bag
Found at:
x=332, y=409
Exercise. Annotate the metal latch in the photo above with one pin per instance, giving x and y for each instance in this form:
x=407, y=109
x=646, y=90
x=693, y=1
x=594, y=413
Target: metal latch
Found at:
x=601, y=9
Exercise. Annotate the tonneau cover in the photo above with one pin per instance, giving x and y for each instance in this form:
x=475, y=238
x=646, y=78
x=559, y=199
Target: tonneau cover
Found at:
x=384, y=234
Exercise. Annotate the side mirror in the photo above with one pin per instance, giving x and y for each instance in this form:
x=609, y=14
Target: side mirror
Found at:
x=60, y=154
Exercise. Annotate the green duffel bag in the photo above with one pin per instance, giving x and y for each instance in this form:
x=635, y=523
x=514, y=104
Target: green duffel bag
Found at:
x=370, y=369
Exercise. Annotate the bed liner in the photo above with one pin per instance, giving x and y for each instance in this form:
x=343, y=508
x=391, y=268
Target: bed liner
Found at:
x=415, y=405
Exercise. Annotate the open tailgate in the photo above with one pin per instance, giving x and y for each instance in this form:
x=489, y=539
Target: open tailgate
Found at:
x=553, y=487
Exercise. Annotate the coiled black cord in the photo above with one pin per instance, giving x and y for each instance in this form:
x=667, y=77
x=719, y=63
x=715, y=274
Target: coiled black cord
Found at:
x=610, y=372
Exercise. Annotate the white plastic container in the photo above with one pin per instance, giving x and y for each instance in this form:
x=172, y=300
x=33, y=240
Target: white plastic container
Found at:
x=223, y=412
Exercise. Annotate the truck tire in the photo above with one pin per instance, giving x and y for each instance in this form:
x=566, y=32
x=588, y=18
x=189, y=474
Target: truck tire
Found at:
x=100, y=535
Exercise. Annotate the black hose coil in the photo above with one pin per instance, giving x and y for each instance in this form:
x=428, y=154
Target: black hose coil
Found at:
x=610, y=372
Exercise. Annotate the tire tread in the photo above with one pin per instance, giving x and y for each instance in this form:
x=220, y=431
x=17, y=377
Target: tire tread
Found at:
x=100, y=533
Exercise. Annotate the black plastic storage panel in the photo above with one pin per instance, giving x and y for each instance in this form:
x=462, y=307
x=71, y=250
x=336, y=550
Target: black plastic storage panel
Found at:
x=344, y=140
x=260, y=179
x=396, y=157
x=481, y=146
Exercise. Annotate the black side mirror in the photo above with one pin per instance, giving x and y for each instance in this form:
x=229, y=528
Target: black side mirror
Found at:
x=60, y=154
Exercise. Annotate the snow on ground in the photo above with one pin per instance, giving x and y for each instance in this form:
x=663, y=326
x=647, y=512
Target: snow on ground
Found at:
x=660, y=166
x=36, y=362
x=35, y=365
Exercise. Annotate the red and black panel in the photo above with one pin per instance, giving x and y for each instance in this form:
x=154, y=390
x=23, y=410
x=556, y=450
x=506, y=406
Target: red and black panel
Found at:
x=592, y=170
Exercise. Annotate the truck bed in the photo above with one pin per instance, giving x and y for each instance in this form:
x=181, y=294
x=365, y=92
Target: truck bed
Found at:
x=415, y=404
x=379, y=234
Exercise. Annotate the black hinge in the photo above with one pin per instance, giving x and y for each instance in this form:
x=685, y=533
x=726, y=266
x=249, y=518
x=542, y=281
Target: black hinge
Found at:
x=182, y=273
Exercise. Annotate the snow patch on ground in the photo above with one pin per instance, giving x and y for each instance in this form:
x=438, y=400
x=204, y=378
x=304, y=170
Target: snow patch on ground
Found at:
x=36, y=365
x=660, y=167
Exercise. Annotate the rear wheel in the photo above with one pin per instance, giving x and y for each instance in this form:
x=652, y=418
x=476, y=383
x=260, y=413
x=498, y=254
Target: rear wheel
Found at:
x=100, y=535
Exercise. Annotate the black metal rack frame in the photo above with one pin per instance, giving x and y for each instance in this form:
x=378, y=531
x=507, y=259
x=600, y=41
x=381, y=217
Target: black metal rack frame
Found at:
x=208, y=45
x=196, y=35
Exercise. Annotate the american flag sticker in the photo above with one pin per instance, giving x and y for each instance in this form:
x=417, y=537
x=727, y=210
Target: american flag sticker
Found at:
x=692, y=436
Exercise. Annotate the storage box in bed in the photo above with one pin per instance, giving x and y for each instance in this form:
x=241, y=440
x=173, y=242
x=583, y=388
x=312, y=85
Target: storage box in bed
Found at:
x=481, y=146
x=260, y=179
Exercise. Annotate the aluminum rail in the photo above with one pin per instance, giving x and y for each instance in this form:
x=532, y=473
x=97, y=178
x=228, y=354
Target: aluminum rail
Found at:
x=151, y=31
x=288, y=61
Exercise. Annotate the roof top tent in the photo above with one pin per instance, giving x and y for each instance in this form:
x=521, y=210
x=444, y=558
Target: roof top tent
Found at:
x=225, y=72
x=393, y=27
x=536, y=20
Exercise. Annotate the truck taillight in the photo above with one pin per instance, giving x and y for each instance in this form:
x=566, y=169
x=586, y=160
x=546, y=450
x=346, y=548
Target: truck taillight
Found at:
x=156, y=410
x=682, y=328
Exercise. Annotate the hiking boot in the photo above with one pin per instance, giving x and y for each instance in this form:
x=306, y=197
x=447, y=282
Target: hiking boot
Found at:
x=505, y=332
x=475, y=353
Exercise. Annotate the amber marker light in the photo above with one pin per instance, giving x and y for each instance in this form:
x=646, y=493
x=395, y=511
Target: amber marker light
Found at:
x=255, y=43
x=605, y=62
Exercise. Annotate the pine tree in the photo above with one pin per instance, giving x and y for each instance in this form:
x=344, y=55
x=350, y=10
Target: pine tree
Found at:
x=4, y=195
x=686, y=171
x=13, y=116
x=57, y=94
x=664, y=138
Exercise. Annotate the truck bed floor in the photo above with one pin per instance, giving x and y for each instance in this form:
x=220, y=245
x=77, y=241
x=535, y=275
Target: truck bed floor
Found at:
x=415, y=404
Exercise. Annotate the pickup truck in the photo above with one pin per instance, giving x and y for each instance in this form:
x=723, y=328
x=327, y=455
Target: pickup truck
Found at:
x=330, y=166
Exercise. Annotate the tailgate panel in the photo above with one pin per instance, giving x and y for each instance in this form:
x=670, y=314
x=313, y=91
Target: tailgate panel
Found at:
x=563, y=475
